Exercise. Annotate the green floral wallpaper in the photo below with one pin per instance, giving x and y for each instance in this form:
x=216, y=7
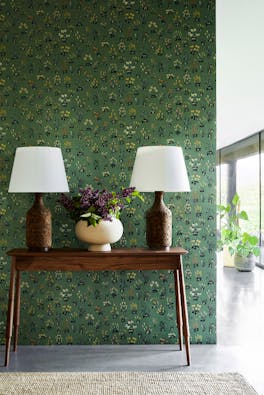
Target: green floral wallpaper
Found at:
x=99, y=79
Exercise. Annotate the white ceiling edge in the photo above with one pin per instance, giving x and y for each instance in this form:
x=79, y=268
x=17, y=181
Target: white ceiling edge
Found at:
x=240, y=70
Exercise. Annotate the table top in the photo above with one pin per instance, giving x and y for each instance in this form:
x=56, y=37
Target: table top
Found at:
x=67, y=252
x=74, y=259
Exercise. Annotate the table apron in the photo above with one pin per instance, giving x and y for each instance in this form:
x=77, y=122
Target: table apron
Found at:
x=96, y=264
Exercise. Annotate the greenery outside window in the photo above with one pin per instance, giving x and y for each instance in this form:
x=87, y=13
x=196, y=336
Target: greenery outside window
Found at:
x=240, y=169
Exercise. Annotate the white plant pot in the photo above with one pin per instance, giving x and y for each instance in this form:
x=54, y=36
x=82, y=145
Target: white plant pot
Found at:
x=100, y=236
x=244, y=263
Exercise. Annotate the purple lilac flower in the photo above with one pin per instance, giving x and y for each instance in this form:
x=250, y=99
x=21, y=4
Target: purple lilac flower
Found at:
x=128, y=191
x=102, y=203
x=66, y=202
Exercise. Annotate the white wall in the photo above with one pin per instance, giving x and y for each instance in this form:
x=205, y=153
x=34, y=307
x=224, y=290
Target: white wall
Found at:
x=240, y=69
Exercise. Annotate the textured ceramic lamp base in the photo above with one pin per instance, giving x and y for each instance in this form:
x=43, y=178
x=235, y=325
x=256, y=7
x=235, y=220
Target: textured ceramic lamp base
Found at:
x=38, y=226
x=159, y=224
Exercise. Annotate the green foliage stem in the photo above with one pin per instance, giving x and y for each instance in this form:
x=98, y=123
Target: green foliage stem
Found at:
x=232, y=236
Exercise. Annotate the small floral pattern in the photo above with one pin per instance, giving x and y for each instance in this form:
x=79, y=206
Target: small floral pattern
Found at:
x=99, y=79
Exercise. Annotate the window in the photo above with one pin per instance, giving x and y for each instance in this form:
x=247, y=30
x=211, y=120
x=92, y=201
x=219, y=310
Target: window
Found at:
x=241, y=170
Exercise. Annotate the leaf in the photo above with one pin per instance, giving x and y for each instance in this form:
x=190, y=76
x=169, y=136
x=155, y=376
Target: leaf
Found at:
x=96, y=217
x=93, y=221
x=220, y=207
x=231, y=250
x=247, y=238
x=235, y=199
x=87, y=215
x=256, y=251
x=137, y=194
x=228, y=208
x=243, y=215
x=253, y=240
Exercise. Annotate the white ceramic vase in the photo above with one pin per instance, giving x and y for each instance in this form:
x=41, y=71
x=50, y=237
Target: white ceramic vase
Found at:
x=100, y=236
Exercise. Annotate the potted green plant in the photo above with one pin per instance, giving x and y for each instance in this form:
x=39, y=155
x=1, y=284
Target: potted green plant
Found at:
x=240, y=244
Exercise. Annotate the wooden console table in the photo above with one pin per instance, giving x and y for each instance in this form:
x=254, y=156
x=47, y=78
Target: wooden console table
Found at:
x=82, y=260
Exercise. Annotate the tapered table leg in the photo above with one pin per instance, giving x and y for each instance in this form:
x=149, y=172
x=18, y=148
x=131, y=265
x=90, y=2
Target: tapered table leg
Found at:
x=186, y=333
x=178, y=306
x=10, y=311
x=17, y=310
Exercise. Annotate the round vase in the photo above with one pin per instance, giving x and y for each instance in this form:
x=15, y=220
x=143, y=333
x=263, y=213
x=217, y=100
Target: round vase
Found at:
x=100, y=236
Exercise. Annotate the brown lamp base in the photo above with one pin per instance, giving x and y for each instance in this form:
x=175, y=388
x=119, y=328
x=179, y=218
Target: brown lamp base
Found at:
x=45, y=249
x=159, y=224
x=38, y=226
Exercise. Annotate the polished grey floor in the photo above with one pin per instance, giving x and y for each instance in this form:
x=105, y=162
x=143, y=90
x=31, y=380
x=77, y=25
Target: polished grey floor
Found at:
x=240, y=345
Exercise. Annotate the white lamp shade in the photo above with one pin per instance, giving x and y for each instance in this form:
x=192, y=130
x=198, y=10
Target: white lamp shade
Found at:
x=160, y=168
x=37, y=170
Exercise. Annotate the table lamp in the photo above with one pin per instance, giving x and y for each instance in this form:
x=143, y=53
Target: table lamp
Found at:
x=38, y=170
x=159, y=169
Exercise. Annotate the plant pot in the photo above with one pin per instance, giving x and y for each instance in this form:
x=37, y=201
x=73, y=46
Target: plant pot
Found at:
x=244, y=263
x=100, y=236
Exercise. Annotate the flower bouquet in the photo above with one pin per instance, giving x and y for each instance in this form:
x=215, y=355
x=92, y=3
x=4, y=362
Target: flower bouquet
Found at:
x=92, y=205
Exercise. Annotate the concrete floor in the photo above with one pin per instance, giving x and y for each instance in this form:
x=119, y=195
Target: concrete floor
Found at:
x=240, y=344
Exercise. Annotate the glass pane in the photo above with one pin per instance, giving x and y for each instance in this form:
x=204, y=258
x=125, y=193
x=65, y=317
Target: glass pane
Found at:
x=261, y=260
x=247, y=178
x=241, y=167
x=224, y=184
x=262, y=189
